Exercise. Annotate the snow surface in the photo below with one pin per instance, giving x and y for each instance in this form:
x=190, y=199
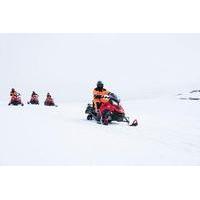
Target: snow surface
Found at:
x=168, y=134
x=147, y=71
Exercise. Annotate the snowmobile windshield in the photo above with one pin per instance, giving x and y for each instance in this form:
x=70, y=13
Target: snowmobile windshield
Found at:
x=114, y=99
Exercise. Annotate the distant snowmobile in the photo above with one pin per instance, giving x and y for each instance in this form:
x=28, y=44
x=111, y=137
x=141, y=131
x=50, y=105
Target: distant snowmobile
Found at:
x=109, y=111
x=49, y=101
x=34, y=99
x=16, y=100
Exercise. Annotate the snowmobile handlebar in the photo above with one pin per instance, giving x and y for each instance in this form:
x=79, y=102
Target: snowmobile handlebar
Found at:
x=18, y=94
x=111, y=96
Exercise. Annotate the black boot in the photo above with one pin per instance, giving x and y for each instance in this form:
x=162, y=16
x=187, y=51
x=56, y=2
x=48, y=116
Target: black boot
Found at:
x=98, y=118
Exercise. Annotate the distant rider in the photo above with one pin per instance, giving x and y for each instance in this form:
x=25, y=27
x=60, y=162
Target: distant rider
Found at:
x=14, y=93
x=49, y=100
x=15, y=97
x=34, y=98
x=34, y=95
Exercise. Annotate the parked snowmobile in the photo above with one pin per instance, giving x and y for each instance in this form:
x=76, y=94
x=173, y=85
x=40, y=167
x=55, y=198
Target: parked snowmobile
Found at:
x=34, y=99
x=109, y=111
x=16, y=100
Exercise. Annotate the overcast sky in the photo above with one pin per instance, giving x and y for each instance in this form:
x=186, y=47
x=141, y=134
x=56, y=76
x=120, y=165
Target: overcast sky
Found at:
x=69, y=65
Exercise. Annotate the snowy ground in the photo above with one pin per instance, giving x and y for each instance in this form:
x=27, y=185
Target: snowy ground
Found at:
x=168, y=134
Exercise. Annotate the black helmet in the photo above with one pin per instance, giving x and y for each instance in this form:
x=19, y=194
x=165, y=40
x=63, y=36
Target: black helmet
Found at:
x=100, y=85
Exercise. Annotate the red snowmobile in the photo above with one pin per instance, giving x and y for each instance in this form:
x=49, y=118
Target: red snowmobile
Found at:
x=109, y=111
x=49, y=101
x=34, y=99
x=16, y=100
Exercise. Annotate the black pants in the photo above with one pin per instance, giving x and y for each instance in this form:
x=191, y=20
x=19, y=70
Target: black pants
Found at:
x=98, y=105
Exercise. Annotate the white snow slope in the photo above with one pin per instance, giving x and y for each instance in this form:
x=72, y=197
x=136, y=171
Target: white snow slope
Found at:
x=168, y=134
